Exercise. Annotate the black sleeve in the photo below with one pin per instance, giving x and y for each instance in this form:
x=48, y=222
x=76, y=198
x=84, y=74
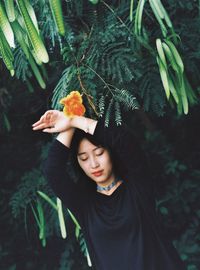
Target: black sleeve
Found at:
x=55, y=170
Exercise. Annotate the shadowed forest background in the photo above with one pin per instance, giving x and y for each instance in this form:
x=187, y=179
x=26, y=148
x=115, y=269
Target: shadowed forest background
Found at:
x=135, y=62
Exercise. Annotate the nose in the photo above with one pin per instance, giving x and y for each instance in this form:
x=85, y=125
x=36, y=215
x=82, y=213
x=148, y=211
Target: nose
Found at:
x=94, y=162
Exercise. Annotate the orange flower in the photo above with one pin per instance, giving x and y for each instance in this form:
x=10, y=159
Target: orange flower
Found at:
x=73, y=104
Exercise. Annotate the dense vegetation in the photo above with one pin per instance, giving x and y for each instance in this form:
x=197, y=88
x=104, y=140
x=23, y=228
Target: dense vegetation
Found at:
x=116, y=61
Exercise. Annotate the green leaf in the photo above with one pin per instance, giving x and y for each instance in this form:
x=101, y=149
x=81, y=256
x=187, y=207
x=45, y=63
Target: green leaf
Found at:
x=48, y=199
x=61, y=218
x=164, y=77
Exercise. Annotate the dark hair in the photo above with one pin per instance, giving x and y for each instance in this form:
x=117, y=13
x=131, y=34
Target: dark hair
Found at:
x=139, y=160
x=76, y=171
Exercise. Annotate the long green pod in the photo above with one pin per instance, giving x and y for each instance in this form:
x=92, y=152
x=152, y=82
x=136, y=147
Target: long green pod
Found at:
x=140, y=14
x=56, y=9
x=42, y=234
x=6, y=53
x=176, y=55
x=37, y=72
x=40, y=222
x=35, y=38
x=164, y=77
x=170, y=57
x=162, y=26
x=41, y=219
x=74, y=219
x=78, y=227
x=131, y=10
x=157, y=8
x=61, y=218
x=48, y=199
x=161, y=52
x=88, y=258
x=20, y=38
x=6, y=46
x=173, y=89
x=37, y=60
x=138, y=17
x=31, y=12
x=183, y=94
x=164, y=12
x=10, y=10
x=5, y=26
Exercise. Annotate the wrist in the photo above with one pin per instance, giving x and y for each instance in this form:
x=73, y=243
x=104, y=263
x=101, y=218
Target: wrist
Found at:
x=75, y=120
x=86, y=124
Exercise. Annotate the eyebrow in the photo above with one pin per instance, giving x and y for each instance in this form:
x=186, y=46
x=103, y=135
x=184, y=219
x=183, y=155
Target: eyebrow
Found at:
x=82, y=153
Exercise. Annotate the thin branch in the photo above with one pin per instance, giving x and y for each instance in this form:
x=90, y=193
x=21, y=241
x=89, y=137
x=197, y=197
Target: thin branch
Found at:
x=89, y=97
x=105, y=83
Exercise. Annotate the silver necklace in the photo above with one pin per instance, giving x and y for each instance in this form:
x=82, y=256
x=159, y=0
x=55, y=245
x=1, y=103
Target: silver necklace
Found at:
x=107, y=188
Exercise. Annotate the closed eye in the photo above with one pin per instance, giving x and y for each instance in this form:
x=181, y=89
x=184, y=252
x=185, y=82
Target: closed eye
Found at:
x=99, y=152
x=83, y=159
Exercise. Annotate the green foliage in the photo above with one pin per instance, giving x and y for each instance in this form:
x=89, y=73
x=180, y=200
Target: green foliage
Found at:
x=115, y=70
x=21, y=65
x=177, y=195
x=100, y=48
x=26, y=192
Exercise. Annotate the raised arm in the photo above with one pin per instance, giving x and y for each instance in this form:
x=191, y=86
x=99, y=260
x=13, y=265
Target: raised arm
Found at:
x=119, y=138
x=56, y=164
x=124, y=146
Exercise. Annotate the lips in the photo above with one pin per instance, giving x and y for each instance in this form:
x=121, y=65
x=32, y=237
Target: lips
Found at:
x=98, y=173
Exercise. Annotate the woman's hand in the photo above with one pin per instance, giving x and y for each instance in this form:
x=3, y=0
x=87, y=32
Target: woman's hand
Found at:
x=53, y=121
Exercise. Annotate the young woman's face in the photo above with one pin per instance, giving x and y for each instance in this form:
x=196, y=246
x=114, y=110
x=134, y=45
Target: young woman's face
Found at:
x=96, y=162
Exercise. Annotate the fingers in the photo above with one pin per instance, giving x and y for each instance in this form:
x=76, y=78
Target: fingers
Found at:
x=36, y=123
x=47, y=122
x=41, y=126
x=39, y=121
x=44, y=118
x=50, y=130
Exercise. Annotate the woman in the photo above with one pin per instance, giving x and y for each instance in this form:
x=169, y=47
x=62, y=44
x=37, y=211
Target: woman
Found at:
x=112, y=197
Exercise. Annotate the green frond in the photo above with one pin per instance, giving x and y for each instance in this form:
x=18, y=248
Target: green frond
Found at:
x=118, y=114
x=21, y=65
x=108, y=112
x=101, y=106
x=63, y=87
x=126, y=99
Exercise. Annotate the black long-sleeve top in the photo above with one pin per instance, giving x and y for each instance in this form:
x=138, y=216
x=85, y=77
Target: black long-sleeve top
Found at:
x=121, y=230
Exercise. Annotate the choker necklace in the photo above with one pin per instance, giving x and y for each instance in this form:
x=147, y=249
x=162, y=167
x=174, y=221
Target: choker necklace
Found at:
x=107, y=188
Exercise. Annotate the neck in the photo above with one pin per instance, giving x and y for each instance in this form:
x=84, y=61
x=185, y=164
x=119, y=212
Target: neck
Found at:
x=109, y=185
x=107, y=182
